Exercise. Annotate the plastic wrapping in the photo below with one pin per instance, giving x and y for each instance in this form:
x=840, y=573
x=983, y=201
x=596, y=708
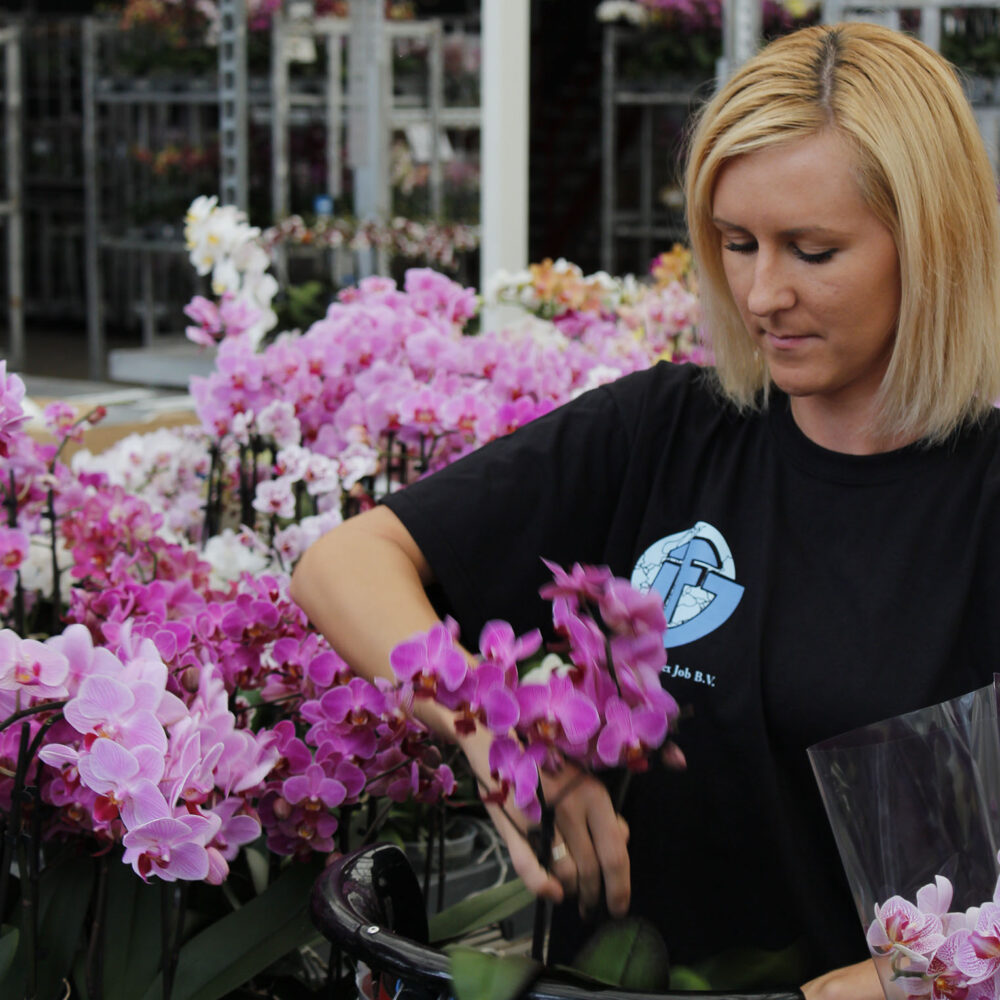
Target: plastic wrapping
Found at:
x=914, y=797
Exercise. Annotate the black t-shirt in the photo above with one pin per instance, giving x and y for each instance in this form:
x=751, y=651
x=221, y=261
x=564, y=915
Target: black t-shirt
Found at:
x=808, y=592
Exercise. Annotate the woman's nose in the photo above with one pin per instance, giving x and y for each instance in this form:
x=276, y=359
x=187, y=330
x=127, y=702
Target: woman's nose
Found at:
x=771, y=289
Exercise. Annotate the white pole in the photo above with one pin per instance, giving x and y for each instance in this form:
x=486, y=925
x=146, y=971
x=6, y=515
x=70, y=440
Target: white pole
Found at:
x=505, y=86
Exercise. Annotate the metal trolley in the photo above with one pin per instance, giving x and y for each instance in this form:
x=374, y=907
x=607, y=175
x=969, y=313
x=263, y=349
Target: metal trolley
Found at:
x=369, y=904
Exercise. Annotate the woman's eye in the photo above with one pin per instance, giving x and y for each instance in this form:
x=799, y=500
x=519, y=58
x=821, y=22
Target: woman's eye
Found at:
x=740, y=247
x=813, y=258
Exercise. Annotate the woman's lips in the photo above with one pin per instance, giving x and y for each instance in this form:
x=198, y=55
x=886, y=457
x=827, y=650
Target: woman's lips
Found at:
x=786, y=341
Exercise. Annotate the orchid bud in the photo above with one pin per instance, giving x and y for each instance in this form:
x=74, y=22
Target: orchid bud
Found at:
x=190, y=679
x=282, y=809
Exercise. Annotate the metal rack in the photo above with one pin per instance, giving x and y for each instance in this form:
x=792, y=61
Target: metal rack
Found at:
x=646, y=219
x=130, y=267
x=134, y=264
x=327, y=103
x=985, y=100
x=53, y=168
x=11, y=208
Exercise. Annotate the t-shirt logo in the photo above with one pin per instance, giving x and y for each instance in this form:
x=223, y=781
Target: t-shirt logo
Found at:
x=693, y=571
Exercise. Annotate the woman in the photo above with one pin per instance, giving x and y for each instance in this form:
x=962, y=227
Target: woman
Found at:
x=818, y=511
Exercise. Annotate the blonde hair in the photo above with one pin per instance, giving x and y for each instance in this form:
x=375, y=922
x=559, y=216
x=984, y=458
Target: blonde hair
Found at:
x=924, y=173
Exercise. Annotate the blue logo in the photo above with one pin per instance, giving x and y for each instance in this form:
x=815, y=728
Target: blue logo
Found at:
x=693, y=571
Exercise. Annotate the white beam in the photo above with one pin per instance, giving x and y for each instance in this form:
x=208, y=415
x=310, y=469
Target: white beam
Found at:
x=505, y=88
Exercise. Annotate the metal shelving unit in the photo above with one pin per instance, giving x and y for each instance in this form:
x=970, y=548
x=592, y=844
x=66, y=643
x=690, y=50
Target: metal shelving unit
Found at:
x=129, y=265
x=11, y=208
x=324, y=101
x=650, y=221
x=53, y=168
x=984, y=94
x=134, y=215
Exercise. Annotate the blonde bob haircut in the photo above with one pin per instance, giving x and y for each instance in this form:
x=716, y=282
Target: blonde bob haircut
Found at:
x=923, y=171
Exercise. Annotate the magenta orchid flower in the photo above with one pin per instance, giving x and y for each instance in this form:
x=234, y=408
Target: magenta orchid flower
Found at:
x=313, y=789
x=430, y=663
x=358, y=702
x=516, y=768
x=498, y=644
x=557, y=713
x=629, y=734
x=628, y=611
x=486, y=697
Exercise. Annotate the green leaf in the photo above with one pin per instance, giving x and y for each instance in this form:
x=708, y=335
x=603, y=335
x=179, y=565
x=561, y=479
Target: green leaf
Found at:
x=64, y=895
x=478, y=976
x=257, y=863
x=629, y=953
x=753, y=968
x=231, y=951
x=8, y=948
x=480, y=910
x=132, y=933
x=64, y=891
x=684, y=978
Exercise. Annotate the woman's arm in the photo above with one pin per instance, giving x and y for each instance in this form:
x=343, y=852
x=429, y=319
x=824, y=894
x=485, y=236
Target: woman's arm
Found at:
x=362, y=585
x=853, y=982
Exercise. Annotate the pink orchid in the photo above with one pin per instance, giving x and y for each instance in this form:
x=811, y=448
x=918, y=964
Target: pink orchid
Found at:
x=516, y=767
x=631, y=612
x=899, y=925
x=126, y=780
x=978, y=954
x=106, y=707
x=12, y=417
x=14, y=546
x=31, y=667
x=558, y=714
x=946, y=981
x=171, y=848
x=313, y=789
x=497, y=643
x=431, y=663
x=629, y=734
x=486, y=696
x=236, y=828
x=358, y=702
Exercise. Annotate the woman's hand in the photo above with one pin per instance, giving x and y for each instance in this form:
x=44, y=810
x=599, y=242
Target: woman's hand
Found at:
x=591, y=839
x=852, y=982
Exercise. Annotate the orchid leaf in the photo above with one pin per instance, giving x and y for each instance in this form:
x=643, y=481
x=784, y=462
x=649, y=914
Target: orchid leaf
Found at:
x=8, y=949
x=628, y=953
x=684, y=978
x=233, y=950
x=752, y=968
x=480, y=910
x=63, y=895
x=475, y=975
x=257, y=863
x=132, y=942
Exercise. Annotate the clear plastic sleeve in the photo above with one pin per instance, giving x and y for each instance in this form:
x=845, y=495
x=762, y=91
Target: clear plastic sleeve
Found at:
x=913, y=797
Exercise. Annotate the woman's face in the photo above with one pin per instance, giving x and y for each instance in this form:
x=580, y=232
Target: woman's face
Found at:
x=815, y=275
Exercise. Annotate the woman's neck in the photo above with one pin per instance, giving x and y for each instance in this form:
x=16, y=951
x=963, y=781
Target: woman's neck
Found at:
x=850, y=431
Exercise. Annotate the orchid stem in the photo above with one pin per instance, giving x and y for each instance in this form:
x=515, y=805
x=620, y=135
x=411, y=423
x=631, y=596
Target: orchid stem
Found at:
x=49, y=706
x=543, y=912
